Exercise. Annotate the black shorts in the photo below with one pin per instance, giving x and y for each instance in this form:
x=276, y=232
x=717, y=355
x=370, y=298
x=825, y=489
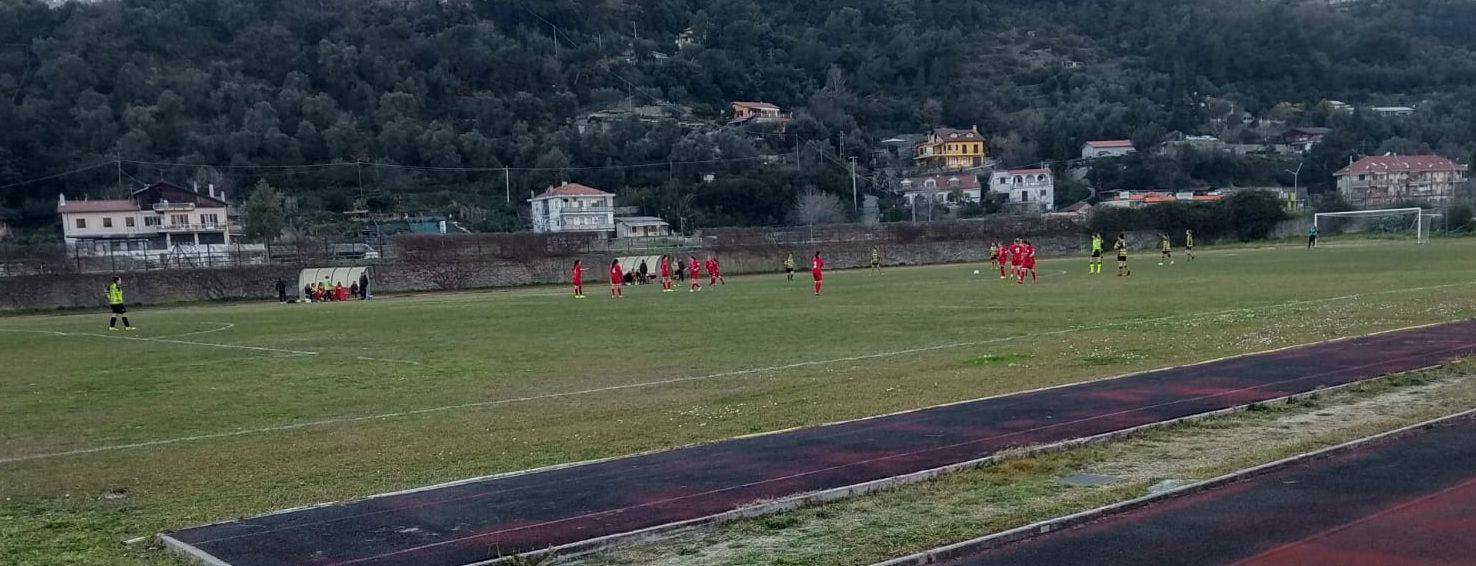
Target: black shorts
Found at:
x=1189, y=247
x=1121, y=257
x=789, y=270
x=1097, y=253
x=118, y=309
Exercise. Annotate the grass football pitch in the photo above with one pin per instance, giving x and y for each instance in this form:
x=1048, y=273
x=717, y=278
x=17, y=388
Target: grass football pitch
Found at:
x=211, y=412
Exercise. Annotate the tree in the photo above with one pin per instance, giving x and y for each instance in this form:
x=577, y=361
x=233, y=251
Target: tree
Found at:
x=262, y=218
x=814, y=207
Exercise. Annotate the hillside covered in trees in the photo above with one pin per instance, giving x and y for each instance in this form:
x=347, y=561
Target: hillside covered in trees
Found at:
x=418, y=91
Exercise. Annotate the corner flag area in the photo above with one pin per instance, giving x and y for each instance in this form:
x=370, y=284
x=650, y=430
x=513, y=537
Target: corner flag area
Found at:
x=210, y=413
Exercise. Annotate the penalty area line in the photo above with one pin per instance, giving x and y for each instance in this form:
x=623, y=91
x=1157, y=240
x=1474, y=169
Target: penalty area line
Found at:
x=645, y=384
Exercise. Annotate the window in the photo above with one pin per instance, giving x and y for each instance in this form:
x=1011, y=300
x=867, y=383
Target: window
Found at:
x=128, y=221
x=107, y=222
x=179, y=220
x=81, y=222
x=1042, y=194
x=209, y=219
x=151, y=221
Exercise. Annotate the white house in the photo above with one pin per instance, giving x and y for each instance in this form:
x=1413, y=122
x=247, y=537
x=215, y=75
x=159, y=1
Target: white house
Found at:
x=946, y=187
x=1392, y=111
x=158, y=217
x=641, y=227
x=1025, y=189
x=572, y=207
x=1106, y=148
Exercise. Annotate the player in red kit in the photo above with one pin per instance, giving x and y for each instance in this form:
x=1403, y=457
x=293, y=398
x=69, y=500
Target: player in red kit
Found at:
x=694, y=272
x=1017, y=256
x=1004, y=260
x=577, y=274
x=617, y=280
x=711, y=271
x=715, y=270
x=1028, y=262
x=665, y=267
x=817, y=271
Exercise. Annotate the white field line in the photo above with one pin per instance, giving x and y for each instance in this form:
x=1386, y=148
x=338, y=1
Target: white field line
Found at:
x=369, y=359
x=224, y=326
x=644, y=384
x=162, y=340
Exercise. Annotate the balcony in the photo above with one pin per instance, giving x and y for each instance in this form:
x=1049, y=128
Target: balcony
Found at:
x=177, y=228
x=587, y=210
x=166, y=206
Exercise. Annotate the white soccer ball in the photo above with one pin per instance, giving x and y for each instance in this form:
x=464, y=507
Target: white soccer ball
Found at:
x=976, y=272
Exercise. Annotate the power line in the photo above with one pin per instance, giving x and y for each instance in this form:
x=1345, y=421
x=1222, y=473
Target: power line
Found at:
x=62, y=174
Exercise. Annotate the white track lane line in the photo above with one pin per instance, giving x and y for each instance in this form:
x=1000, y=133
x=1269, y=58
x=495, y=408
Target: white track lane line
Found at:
x=644, y=384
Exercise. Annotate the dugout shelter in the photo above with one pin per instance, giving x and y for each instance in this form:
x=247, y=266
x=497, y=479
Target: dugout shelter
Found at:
x=330, y=275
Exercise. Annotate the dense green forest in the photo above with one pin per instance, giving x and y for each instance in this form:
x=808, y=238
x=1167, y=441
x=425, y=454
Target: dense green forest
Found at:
x=419, y=90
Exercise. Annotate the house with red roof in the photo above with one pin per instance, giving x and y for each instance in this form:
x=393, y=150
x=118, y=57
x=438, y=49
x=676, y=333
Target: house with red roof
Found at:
x=943, y=188
x=572, y=207
x=757, y=113
x=1106, y=148
x=1385, y=180
x=1139, y=199
x=951, y=149
x=160, y=216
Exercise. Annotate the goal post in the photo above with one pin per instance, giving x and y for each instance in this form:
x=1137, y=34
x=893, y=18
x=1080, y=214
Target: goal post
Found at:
x=1387, y=221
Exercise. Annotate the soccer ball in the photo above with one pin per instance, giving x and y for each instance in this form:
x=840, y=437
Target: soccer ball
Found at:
x=976, y=272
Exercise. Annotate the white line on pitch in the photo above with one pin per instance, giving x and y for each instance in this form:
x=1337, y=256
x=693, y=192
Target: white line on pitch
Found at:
x=224, y=326
x=162, y=340
x=735, y=373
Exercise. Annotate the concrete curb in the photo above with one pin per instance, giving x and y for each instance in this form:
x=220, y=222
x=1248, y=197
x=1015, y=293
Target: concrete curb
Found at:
x=1033, y=530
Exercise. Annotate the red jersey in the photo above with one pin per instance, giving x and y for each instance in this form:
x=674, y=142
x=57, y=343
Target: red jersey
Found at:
x=711, y=267
x=577, y=274
x=1017, y=253
x=693, y=269
x=665, y=268
x=817, y=264
x=1030, y=255
x=617, y=277
x=714, y=267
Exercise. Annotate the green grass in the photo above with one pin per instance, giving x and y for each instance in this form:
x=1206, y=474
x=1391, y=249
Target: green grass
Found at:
x=555, y=380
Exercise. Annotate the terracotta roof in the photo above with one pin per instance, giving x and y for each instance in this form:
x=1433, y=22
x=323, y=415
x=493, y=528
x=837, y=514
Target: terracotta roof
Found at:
x=572, y=190
x=952, y=134
x=1400, y=163
x=97, y=206
x=757, y=105
x=964, y=182
x=1110, y=143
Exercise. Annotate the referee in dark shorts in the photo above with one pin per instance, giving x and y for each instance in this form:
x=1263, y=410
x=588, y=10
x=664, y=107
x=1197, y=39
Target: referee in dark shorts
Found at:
x=114, y=294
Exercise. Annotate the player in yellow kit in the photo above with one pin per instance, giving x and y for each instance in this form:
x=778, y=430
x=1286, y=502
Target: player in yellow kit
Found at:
x=1095, y=266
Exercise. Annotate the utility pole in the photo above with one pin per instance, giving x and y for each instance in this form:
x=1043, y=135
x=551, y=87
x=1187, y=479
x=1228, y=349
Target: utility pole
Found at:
x=854, y=203
x=1296, y=178
x=507, y=184
x=119, y=163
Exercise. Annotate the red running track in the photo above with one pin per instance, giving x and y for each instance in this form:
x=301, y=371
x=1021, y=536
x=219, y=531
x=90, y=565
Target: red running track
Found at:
x=1409, y=499
x=487, y=518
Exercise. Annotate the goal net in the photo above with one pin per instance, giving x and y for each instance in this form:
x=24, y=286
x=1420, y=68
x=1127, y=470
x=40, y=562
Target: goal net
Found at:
x=1413, y=223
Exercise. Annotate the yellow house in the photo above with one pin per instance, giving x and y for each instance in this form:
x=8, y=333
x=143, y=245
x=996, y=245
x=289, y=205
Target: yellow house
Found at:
x=950, y=149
